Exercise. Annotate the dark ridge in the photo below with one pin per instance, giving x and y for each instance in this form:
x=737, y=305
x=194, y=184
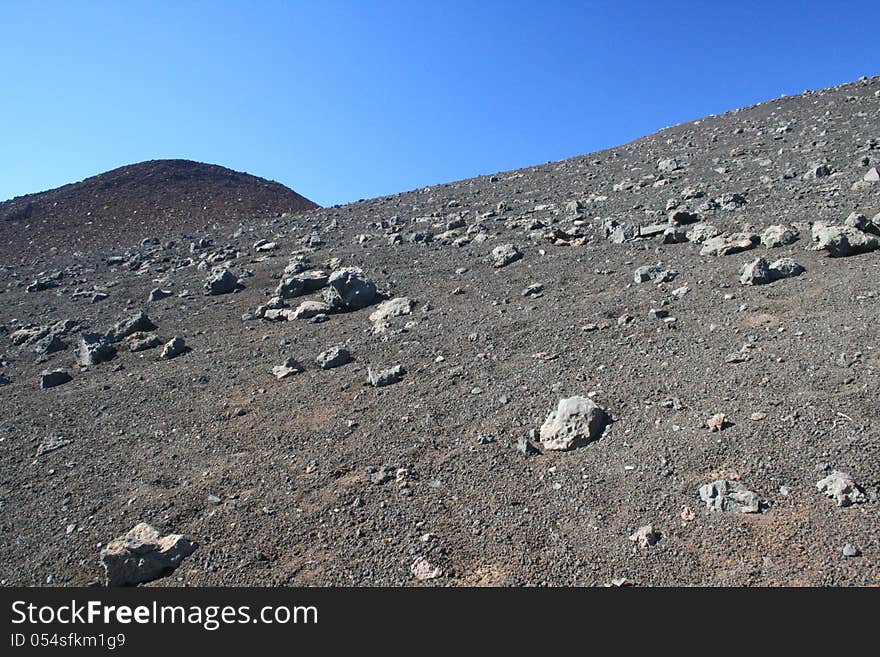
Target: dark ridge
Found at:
x=158, y=198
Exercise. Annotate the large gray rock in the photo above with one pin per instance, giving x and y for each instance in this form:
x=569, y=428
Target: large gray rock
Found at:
x=668, y=165
x=301, y=283
x=841, y=241
x=94, y=348
x=385, y=377
x=134, y=324
x=655, y=274
x=701, y=232
x=309, y=309
x=143, y=555
x=756, y=272
x=730, y=497
x=391, y=308
x=221, y=281
x=728, y=244
x=576, y=421
x=286, y=369
x=50, y=344
x=350, y=289
x=173, y=348
x=842, y=488
x=761, y=272
x=333, y=357
x=142, y=341
x=504, y=255
x=776, y=236
x=52, y=378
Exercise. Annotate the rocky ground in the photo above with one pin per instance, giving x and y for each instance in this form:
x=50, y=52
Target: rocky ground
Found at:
x=652, y=365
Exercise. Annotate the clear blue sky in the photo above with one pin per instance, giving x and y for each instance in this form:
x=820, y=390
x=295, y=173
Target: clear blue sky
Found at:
x=348, y=100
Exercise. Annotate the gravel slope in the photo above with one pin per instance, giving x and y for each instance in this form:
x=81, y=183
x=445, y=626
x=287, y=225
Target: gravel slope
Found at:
x=270, y=477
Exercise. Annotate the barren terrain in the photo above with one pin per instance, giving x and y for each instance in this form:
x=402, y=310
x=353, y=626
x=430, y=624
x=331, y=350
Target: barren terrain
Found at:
x=323, y=478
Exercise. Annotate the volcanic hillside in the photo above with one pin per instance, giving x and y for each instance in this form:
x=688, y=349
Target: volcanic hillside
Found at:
x=136, y=201
x=656, y=364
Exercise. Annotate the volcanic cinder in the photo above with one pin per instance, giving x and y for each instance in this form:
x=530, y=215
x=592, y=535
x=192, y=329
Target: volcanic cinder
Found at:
x=727, y=391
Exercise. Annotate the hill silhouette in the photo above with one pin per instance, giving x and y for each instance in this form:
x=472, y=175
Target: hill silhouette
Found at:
x=141, y=200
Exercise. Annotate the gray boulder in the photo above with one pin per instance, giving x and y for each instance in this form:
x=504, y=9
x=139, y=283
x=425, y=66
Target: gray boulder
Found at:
x=173, y=348
x=333, y=357
x=134, y=324
x=761, y=272
x=50, y=344
x=141, y=341
x=730, y=497
x=221, y=281
x=576, y=421
x=301, y=283
x=655, y=274
x=842, y=488
x=94, y=348
x=504, y=255
x=391, y=308
x=386, y=377
x=52, y=378
x=143, y=555
x=842, y=241
x=350, y=289
x=309, y=309
x=728, y=244
x=776, y=236
x=157, y=294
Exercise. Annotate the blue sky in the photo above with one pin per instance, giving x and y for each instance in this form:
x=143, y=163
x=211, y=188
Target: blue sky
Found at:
x=349, y=100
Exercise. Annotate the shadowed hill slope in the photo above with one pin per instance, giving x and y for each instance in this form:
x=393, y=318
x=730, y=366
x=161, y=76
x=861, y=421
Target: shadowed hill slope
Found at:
x=137, y=201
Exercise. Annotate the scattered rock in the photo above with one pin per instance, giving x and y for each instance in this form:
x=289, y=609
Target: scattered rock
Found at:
x=49, y=344
x=52, y=378
x=701, y=232
x=333, y=357
x=221, y=281
x=422, y=569
x=51, y=444
x=142, y=341
x=350, y=289
x=386, y=377
x=850, y=551
x=728, y=245
x=717, y=422
x=301, y=283
x=645, y=536
x=287, y=368
x=504, y=255
x=655, y=274
x=173, y=348
x=142, y=555
x=842, y=488
x=576, y=421
x=94, y=348
x=761, y=272
x=841, y=241
x=533, y=290
x=396, y=307
x=157, y=294
x=310, y=309
x=730, y=497
x=138, y=322
x=668, y=165
x=776, y=236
